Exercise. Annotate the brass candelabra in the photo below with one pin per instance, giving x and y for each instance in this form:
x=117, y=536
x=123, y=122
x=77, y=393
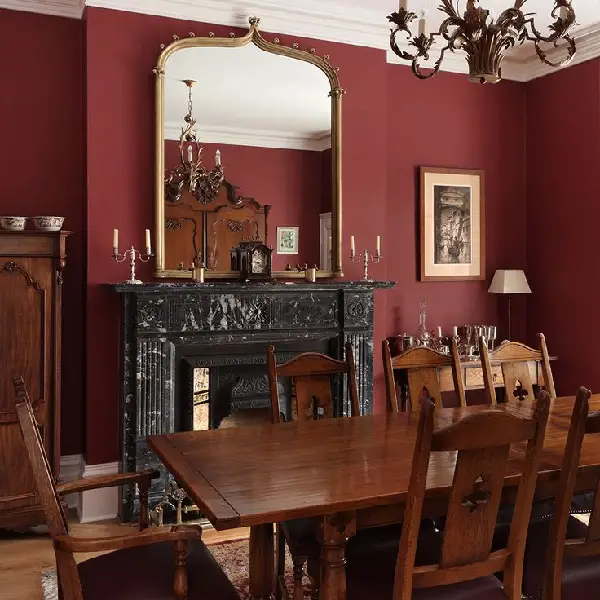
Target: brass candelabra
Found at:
x=366, y=257
x=133, y=255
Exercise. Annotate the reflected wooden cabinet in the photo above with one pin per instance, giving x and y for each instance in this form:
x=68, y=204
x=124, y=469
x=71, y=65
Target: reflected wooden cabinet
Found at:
x=31, y=265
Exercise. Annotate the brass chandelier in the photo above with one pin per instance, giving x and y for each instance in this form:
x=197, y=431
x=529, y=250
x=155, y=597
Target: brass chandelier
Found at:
x=201, y=183
x=484, y=38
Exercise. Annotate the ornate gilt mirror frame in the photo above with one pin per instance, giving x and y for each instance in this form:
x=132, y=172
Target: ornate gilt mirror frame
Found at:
x=336, y=94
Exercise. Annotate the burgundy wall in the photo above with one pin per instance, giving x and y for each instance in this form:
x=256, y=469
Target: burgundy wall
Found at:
x=121, y=51
x=289, y=180
x=449, y=122
x=41, y=144
x=563, y=179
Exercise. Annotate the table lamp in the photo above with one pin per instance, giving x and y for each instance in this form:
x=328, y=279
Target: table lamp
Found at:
x=509, y=282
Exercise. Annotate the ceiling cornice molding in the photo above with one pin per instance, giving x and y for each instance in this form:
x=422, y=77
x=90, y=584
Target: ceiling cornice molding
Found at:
x=73, y=9
x=312, y=19
x=253, y=137
x=308, y=18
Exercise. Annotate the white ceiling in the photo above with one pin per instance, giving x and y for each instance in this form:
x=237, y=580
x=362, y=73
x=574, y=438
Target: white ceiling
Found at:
x=250, y=97
x=358, y=22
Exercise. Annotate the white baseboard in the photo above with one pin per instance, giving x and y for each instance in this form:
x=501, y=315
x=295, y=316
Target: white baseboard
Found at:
x=93, y=505
x=102, y=504
x=71, y=469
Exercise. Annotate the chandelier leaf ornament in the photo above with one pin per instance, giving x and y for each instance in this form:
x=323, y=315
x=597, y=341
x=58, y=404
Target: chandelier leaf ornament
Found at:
x=484, y=38
x=201, y=183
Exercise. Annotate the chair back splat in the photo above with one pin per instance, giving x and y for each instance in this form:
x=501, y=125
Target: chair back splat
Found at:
x=422, y=366
x=312, y=376
x=482, y=443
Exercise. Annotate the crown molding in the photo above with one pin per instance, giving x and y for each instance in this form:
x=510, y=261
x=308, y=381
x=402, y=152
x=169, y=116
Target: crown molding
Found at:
x=313, y=19
x=307, y=18
x=72, y=9
x=258, y=138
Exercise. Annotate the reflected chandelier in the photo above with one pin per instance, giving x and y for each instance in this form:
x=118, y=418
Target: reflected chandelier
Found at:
x=202, y=184
x=484, y=38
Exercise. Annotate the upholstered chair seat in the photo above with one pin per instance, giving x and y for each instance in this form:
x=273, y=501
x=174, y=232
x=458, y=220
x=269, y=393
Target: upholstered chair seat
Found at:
x=147, y=572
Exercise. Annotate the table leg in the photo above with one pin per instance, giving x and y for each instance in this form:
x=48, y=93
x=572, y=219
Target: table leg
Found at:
x=262, y=562
x=336, y=530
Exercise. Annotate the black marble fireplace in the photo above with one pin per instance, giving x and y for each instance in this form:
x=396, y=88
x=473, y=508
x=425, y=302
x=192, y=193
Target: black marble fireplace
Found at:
x=170, y=329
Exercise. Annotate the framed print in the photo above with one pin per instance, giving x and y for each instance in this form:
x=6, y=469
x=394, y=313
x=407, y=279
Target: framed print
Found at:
x=287, y=240
x=452, y=225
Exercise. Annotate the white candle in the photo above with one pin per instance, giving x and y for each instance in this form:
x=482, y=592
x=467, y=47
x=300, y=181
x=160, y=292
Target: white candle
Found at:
x=403, y=5
x=190, y=153
x=148, y=247
x=378, y=245
x=115, y=238
x=439, y=331
x=352, y=247
x=422, y=25
x=218, y=158
x=455, y=331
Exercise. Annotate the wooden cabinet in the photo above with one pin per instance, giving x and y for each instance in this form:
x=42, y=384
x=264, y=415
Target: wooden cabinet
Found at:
x=31, y=270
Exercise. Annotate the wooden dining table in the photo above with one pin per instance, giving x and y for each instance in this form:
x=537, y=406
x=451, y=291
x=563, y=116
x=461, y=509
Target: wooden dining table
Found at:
x=347, y=473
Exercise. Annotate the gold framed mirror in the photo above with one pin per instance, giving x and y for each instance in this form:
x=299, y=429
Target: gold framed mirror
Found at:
x=277, y=167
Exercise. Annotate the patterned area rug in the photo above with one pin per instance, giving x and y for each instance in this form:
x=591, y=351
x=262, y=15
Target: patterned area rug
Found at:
x=232, y=556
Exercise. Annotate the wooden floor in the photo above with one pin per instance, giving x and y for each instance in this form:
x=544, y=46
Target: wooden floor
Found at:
x=22, y=558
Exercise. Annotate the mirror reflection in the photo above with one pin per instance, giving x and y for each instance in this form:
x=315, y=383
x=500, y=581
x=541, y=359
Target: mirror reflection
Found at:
x=247, y=158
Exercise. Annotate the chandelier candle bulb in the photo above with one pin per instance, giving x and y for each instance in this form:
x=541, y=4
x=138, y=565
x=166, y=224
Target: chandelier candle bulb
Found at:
x=352, y=247
x=148, y=247
x=403, y=5
x=422, y=23
x=115, y=239
x=218, y=158
x=190, y=153
x=378, y=245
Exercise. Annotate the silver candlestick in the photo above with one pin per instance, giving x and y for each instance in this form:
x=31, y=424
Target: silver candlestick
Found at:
x=133, y=255
x=366, y=257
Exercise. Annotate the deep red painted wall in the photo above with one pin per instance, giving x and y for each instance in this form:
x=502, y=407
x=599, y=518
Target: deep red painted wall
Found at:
x=563, y=212
x=449, y=122
x=289, y=180
x=121, y=51
x=41, y=168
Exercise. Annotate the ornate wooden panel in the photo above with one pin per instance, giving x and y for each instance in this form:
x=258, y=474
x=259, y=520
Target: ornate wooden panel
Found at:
x=31, y=266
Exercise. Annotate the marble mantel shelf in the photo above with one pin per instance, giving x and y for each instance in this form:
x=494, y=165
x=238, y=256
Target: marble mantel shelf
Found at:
x=253, y=286
x=168, y=328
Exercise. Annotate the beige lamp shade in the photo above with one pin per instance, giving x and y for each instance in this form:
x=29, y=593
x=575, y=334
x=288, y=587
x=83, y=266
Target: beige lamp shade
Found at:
x=509, y=282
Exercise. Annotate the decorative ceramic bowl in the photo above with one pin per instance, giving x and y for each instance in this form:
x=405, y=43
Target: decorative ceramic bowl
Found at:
x=49, y=223
x=13, y=223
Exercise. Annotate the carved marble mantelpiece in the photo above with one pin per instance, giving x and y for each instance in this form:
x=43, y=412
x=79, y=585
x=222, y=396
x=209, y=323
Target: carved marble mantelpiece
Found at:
x=167, y=325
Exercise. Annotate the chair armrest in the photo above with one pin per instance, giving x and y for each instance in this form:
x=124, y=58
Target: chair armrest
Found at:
x=68, y=543
x=92, y=483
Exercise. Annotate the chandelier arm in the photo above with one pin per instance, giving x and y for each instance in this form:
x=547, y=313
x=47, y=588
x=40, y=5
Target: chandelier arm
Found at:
x=416, y=68
x=559, y=28
x=571, y=49
x=403, y=54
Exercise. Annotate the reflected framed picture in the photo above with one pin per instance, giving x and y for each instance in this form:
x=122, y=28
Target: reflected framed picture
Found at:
x=452, y=224
x=287, y=240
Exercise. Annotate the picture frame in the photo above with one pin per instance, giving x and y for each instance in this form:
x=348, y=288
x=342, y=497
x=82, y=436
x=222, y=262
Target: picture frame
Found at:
x=452, y=224
x=287, y=240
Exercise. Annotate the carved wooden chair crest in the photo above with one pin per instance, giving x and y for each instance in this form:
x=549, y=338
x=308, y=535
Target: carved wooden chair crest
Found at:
x=518, y=363
x=312, y=378
x=482, y=442
x=423, y=366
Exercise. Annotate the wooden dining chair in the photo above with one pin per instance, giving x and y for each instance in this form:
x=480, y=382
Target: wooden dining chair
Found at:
x=516, y=362
x=465, y=565
x=152, y=563
x=562, y=558
x=312, y=398
x=423, y=366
